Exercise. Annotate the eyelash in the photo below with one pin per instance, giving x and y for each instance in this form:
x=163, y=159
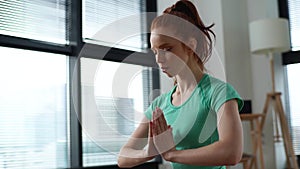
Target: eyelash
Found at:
x=163, y=49
x=166, y=49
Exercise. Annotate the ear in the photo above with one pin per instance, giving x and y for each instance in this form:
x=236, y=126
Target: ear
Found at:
x=192, y=43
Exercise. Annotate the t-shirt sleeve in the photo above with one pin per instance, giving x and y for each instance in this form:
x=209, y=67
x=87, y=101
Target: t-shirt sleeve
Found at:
x=223, y=93
x=148, y=112
x=159, y=101
x=150, y=109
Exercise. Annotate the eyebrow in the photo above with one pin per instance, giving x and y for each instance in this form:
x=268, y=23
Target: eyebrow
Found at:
x=162, y=45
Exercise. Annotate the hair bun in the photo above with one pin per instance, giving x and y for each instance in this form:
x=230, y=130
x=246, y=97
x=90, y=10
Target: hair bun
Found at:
x=182, y=7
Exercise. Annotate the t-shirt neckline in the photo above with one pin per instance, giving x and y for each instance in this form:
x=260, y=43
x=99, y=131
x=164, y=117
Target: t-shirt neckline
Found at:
x=194, y=91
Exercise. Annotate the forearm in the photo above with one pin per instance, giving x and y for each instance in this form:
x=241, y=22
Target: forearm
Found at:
x=129, y=157
x=215, y=154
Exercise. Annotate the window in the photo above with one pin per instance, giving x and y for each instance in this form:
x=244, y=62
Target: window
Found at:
x=38, y=19
x=114, y=93
x=112, y=107
x=115, y=23
x=294, y=15
x=41, y=99
x=290, y=9
x=293, y=71
x=33, y=110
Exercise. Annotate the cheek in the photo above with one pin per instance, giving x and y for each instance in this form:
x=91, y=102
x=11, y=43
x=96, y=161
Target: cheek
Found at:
x=176, y=63
x=182, y=53
x=180, y=59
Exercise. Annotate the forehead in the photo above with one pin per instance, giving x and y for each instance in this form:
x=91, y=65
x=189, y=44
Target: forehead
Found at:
x=165, y=31
x=159, y=38
x=164, y=35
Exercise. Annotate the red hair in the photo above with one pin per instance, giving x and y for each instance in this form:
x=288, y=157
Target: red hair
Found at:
x=184, y=18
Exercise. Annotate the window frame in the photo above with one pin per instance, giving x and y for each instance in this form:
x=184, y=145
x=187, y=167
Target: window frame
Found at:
x=291, y=56
x=74, y=50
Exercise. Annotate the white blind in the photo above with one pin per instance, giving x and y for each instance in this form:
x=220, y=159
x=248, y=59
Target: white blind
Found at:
x=293, y=71
x=115, y=23
x=113, y=103
x=43, y=20
x=294, y=15
x=33, y=110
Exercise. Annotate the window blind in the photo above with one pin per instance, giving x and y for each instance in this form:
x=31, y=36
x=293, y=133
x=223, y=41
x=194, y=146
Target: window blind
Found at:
x=33, y=110
x=294, y=15
x=294, y=107
x=113, y=103
x=293, y=71
x=43, y=20
x=115, y=23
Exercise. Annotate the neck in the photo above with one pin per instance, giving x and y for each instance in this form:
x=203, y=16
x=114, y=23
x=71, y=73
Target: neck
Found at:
x=188, y=79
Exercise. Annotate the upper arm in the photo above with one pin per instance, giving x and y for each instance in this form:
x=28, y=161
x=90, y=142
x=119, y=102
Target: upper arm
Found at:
x=139, y=137
x=229, y=124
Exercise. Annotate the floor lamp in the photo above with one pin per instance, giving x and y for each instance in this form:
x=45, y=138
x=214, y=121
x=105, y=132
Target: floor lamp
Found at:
x=269, y=36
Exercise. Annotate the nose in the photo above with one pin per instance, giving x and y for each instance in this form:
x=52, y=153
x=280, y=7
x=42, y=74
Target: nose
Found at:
x=160, y=56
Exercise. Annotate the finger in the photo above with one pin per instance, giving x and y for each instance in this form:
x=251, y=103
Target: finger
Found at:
x=153, y=123
x=160, y=126
x=156, y=125
x=162, y=121
x=150, y=129
x=156, y=113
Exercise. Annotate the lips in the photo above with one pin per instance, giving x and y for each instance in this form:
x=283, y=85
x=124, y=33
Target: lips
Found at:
x=163, y=68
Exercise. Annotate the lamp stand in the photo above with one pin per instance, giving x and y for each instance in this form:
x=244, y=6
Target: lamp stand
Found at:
x=274, y=98
x=270, y=54
x=275, y=120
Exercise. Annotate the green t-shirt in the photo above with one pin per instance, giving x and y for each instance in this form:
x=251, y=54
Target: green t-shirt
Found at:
x=194, y=123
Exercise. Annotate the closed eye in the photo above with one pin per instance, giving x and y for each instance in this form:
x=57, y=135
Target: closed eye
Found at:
x=162, y=49
x=166, y=49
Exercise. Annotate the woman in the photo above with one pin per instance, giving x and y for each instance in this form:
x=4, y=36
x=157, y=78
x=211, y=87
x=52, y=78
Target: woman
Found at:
x=196, y=124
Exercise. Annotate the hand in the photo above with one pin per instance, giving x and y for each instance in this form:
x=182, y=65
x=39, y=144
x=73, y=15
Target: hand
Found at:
x=162, y=133
x=151, y=151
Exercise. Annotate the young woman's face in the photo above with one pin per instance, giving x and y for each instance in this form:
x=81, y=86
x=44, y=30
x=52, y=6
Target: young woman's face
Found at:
x=170, y=54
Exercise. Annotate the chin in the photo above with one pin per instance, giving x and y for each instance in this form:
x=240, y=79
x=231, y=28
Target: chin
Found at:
x=169, y=75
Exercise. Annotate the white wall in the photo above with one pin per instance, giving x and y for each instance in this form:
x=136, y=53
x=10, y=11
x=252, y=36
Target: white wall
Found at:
x=216, y=64
x=236, y=46
x=237, y=56
x=274, y=156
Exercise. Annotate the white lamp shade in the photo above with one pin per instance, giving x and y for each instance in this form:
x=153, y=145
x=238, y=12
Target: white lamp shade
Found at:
x=269, y=35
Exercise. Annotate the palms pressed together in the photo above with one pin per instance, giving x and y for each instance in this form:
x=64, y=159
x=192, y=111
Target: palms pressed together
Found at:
x=160, y=137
